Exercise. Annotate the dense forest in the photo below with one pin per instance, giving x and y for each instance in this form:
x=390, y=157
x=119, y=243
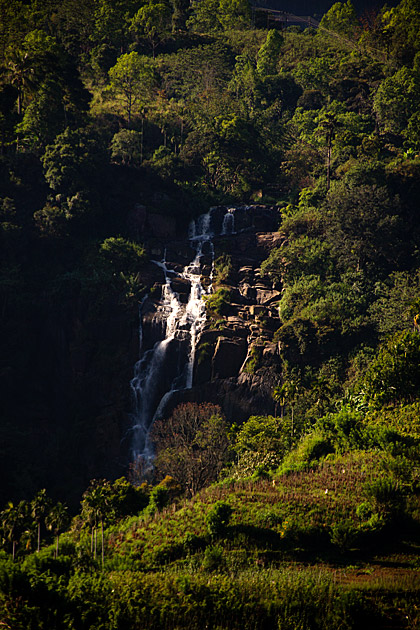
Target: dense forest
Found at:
x=121, y=121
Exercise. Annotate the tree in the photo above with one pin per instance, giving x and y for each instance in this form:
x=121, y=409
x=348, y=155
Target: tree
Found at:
x=342, y=19
x=192, y=445
x=72, y=162
x=122, y=255
x=401, y=28
x=126, y=147
x=21, y=74
x=269, y=53
x=234, y=14
x=180, y=10
x=397, y=100
x=286, y=393
x=362, y=226
x=204, y=17
x=14, y=521
x=132, y=78
x=394, y=374
x=40, y=505
x=43, y=119
x=95, y=509
x=153, y=21
x=57, y=520
x=12, y=25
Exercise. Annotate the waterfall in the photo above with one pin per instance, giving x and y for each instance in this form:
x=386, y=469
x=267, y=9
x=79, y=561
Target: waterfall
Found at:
x=228, y=225
x=169, y=365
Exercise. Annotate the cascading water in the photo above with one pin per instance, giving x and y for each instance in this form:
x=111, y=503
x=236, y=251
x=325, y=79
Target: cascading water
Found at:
x=228, y=225
x=169, y=365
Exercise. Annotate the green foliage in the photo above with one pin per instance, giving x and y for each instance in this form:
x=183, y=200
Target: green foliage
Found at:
x=394, y=373
x=268, y=54
x=159, y=498
x=397, y=100
x=218, y=519
x=395, y=307
x=153, y=22
x=132, y=79
x=223, y=268
x=218, y=302
x=71, y=162
x=126, y=147
x=386, y=497
x=122, y=255
x=343, y=535
x=342, y=19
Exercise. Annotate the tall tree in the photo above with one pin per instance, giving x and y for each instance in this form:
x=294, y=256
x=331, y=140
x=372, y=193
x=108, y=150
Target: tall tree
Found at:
x=132, y=78
x=342, y=19
x=21, y=74
x=153, y=22
x=40, y=505
x=14, y=520
x=192, y=445
x=269, y=53
x=56, y=521
x=96, y=507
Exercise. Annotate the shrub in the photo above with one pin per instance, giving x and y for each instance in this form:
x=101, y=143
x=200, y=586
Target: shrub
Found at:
x=159, y=498
x=213, y=558
x=310, y=449
x=386, y=496
x=218, y=302
x=343, y=535
x=218, y=518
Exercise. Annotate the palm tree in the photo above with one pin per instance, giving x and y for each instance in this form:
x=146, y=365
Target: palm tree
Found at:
x=286, y=393
x=20, y=71
x=96, y=502
x=39, y=507
x=57, y=520
x=13, y=520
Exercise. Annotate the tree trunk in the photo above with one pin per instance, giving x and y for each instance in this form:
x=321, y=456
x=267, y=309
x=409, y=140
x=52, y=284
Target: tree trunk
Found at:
x=39, y=537
x=103, y=546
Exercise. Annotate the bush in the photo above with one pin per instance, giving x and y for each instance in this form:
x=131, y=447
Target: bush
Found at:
x=386, y=496
x=218, y=518
x=343, y=535
x=213, y=558
x=218, y=302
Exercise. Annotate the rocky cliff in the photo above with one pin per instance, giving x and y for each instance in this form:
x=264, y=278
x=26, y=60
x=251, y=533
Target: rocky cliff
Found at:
x=235, y=351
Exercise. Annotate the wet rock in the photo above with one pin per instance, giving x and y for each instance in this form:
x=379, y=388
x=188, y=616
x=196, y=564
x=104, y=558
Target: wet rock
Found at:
x=180, y=285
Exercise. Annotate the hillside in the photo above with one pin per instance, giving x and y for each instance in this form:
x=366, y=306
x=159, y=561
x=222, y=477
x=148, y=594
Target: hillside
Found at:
x=209, y=303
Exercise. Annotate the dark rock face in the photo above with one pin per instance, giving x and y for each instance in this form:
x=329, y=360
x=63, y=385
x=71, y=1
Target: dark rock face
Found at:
x=236, y=353
x=228, y=357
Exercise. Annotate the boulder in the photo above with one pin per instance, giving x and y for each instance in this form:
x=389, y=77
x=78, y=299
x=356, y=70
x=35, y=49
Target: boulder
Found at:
x=267, y=296
x=180, y=285
x=228, y=357
x=268, y=240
